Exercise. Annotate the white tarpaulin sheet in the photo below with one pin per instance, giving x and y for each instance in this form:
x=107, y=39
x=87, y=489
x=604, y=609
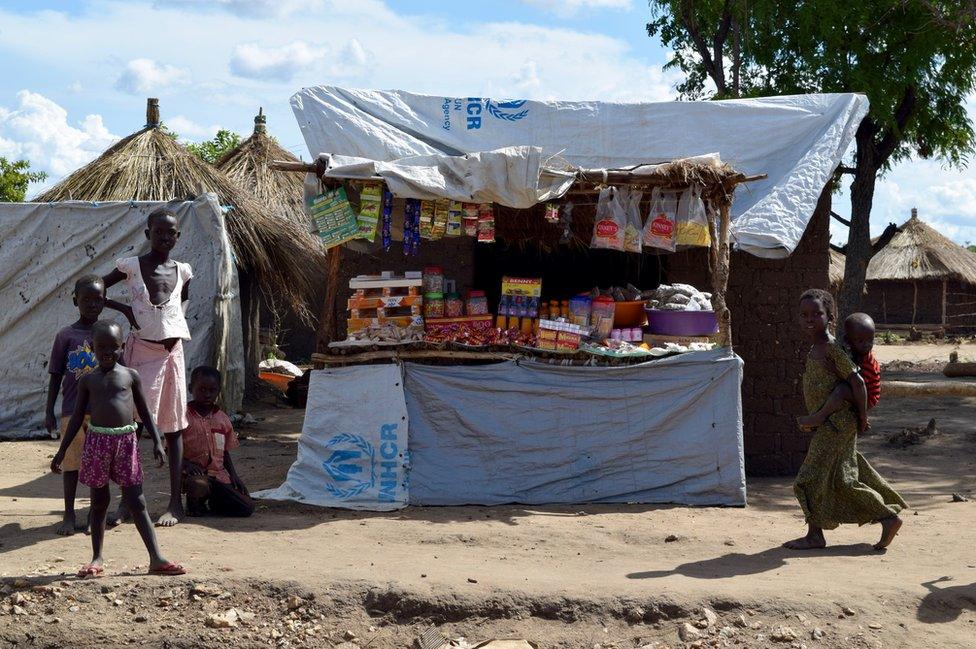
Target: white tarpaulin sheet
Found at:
x=668, y=431
x=797, y=141
x=353, y=448
x=45, y=247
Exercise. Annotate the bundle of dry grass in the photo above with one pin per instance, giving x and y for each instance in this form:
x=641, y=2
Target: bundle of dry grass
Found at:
x=248, y=166
x=150, y=165
x=918, y=252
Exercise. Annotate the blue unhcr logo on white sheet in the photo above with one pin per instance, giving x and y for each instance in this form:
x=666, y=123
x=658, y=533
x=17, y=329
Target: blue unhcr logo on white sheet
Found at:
x=351, y=466
x=473, y=109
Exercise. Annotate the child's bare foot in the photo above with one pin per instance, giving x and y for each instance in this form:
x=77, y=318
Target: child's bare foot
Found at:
x=812, y=541
x=889, y=528
x=171, y=517
x=68, y=525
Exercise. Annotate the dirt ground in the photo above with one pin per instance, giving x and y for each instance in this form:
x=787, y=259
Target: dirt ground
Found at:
x=582, y=576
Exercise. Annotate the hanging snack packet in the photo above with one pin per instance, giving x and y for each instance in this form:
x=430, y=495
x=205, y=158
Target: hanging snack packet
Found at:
x=486, y=223
x=632, y=231
x=441, y=207
x=387, y=227
x=411, y=227
x=426, y=219
x=692, y=220
x=454, y=220
x=333, y=217
x=552, y=213
x=470, y=219
x=370, y=199
x=659, y=230
x=608, y=227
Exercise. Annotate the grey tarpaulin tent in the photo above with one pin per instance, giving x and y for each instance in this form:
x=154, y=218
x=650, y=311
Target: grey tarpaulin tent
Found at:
x=45, y=247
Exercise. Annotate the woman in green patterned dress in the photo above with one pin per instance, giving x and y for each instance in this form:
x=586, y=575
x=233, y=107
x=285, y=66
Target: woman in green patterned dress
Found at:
x=836, y=484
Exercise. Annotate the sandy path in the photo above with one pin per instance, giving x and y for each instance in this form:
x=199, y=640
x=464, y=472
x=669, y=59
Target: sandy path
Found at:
x=598, y=561
x=923, y=353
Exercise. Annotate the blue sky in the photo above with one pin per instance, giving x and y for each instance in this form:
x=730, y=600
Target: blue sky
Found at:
x=76, y=73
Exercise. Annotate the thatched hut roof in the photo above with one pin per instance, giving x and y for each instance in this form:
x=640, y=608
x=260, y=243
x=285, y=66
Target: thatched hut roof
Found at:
x=836, y=272
x=918, y=252
x=248, y=165
x=150, y=165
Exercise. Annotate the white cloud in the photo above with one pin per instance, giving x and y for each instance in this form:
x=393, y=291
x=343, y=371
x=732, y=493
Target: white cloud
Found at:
x=945, y=198
x=187, y=129
x=569, y=8
x=75, y=87
x=146, y=75
x=250, y=8
x=37, y=129
x=253, y=61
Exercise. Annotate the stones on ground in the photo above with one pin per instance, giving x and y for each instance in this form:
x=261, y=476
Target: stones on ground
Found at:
x=783, y=634
x=294, y=602
x=74, y=609
x=848, y=611
x=670, y=538
x=740, y=622
x=18, y=610
x=726, y=632
x=817, y=633
x=874, y=625
x=203, y=590
x=18, y=598
x=224, y=620
x=636, y=615
x=141, y=618
x=709, y=617
x=472, y=581
x=688, y=633
x=729, y=542
x=347, y=645
x=959, y=498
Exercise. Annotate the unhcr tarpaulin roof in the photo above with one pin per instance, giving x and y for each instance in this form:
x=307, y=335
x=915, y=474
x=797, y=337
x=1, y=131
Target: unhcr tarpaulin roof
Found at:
x=797, y=141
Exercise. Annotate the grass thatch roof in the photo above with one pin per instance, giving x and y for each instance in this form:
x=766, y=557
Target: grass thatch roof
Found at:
x=150, y=165
x=918, y=252
x=247, y=165
x=836, y=271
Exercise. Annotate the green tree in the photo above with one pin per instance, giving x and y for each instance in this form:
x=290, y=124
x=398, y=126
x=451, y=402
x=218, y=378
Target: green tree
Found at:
x=211, y=151
x=914, y=59
x=15, y=177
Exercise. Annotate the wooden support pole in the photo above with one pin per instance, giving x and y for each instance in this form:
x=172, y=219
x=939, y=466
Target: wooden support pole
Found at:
x=914, y=300
x=944, y=288
x=327, y=319
x=718, y=261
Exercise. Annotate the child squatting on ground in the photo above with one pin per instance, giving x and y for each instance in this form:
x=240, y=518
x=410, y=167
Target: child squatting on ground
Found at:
x=836, y=484
x=210, y=479
x=158, y=288
x=859, y=339
x=72, y=358
x=112, y=393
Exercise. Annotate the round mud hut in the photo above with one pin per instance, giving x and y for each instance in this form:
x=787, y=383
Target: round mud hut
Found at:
x=921, y=277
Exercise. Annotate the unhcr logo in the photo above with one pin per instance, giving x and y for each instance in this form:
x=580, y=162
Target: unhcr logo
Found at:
x=352, y=465
x=509, y=111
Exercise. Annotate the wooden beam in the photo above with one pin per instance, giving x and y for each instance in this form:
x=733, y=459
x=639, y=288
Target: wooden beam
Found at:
x=944, y=288
x=718, y=258
x=326, y=331
x=837, y=248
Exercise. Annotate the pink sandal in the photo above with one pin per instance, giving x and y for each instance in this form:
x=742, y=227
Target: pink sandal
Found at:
x=90, y=571
x=168, y=569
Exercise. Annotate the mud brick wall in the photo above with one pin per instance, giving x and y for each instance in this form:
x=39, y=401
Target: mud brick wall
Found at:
x=762, y=296
x=891, y=303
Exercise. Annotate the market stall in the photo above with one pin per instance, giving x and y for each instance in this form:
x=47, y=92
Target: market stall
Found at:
x=520, y=390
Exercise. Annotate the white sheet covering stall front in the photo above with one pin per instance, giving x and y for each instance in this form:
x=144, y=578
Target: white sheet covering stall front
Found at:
x=797, y=141
x=45, y=247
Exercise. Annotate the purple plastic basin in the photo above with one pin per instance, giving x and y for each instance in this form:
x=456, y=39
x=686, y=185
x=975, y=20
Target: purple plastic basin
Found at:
x=681, y=323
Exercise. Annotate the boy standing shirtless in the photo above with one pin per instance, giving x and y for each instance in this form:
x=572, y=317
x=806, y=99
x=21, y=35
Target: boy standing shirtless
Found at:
x=158, y=288
x=113, y=394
